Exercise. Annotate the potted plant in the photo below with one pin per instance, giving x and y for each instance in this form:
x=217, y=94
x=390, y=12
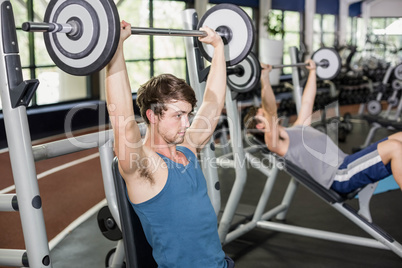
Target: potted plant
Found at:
x=273, y=25
x=271, y=44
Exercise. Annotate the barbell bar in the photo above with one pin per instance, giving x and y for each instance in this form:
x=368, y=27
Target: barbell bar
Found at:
x=71, y=29
x=235, y=70
x=327, y=60
x=81, y=36
x=239, y=70
x=323, y=63
x=245, y=76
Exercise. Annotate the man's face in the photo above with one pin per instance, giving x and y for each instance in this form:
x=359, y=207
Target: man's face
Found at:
x=260, y=117
x=173, y=123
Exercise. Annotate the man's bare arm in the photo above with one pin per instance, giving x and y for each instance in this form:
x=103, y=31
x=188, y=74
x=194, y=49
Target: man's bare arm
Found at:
x=127, y=137
x=308, y=97
x=207, y=117
x=268, y=101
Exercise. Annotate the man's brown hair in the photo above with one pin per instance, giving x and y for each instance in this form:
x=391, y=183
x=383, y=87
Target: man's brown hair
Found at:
x=250, y=120
x=161, y=90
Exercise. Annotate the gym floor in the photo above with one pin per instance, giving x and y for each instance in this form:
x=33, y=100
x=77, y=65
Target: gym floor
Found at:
x=86, y=247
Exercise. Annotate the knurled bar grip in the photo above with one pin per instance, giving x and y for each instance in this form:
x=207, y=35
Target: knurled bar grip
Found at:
x=171, y=32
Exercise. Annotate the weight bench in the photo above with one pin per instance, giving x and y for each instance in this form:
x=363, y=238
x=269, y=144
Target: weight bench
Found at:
x=361, y=218
x=383, y=122
x=138, y=253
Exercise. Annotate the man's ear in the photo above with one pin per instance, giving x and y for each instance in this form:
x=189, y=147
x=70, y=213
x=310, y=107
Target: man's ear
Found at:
x=151, y=116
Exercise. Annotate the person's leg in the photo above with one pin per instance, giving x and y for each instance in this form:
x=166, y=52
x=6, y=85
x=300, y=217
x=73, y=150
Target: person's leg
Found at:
x=364, y=167
x=396, y=136
x=390, y=151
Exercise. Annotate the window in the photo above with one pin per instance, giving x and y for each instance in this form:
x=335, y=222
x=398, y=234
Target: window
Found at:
x=290, y=23
x=352, y=42
x=149, y=56
x=384, y=39
x=291, y=26
x=352, y=31
x=324, y=31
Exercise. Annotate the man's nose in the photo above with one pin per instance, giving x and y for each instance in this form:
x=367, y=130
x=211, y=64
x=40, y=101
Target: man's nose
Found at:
x=185, y=121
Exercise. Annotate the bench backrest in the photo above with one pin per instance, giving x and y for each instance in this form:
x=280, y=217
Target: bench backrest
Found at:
x=137, y=249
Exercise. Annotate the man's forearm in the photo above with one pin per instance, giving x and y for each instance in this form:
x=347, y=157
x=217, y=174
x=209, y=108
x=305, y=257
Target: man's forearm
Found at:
x=268, y=100
x=215, y=88
x=310, y=89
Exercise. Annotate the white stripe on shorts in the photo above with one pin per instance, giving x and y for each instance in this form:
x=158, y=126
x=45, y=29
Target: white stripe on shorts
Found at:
x=353, y=171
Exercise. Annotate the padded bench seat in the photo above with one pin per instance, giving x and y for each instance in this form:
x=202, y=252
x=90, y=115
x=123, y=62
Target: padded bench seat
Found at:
x=138, y=252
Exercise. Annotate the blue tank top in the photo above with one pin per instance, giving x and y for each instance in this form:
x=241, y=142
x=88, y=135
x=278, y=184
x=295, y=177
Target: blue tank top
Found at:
x=180, y=223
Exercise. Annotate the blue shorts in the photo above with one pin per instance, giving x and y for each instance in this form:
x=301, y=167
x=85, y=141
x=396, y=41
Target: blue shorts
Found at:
x=360, y=169
x=230, y=262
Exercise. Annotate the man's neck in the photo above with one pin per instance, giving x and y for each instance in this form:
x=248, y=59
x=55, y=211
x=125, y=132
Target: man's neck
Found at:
x=159, y=145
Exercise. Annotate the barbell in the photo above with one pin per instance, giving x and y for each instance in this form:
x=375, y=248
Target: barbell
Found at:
x=245, y=76
x=327, y=60
x=81, y=36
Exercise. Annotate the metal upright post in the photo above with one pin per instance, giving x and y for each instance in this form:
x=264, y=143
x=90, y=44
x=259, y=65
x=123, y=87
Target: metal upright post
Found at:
x=297, y=89
x=193, y=57
x=208, y=152
x=15, y=95
x=240, y=167
x=297, y=94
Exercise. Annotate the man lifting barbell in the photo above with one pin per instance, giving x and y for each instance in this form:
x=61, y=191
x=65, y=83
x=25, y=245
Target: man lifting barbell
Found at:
x=82, y=37
x=314, y=151
x=164, y=179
